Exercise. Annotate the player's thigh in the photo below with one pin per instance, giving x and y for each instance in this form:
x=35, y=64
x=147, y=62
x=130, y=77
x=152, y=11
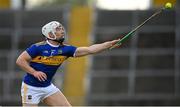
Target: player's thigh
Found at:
x=56, y=99
x=29, y=105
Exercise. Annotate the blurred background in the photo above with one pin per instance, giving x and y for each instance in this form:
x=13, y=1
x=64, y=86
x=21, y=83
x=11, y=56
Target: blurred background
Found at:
x=143, y=71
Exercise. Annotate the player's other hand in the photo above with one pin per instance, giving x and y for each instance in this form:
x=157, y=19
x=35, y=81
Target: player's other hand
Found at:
x=41, y=76
x=113, y=42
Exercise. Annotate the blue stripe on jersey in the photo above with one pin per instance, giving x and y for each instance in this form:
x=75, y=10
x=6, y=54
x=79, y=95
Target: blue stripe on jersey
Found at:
x=47, y=59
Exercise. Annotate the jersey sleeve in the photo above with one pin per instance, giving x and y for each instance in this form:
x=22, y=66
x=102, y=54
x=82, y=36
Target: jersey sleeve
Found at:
x=32, y=50
x=71, y=50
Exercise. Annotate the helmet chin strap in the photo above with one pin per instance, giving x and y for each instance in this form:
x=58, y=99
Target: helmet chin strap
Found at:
x=60, y=40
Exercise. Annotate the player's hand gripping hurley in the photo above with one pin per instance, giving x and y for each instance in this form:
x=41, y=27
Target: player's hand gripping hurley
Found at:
x=167, y=6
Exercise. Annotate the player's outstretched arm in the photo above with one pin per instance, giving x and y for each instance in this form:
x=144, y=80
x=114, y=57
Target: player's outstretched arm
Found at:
x=23, y=62
x=93, y=49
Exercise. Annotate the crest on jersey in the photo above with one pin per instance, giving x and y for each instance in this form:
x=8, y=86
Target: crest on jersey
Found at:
x=59, y=51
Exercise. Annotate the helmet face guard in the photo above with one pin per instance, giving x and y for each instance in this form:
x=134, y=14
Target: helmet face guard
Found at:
x=51, y=28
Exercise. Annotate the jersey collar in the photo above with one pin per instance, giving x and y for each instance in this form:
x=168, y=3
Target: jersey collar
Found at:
x=52, y=44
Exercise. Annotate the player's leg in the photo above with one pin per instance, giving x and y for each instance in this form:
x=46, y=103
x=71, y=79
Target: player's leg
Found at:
x=29, y=105
x=56, y=99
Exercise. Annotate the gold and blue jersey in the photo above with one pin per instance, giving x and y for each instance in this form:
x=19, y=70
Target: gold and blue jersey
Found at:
x=47, y=59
